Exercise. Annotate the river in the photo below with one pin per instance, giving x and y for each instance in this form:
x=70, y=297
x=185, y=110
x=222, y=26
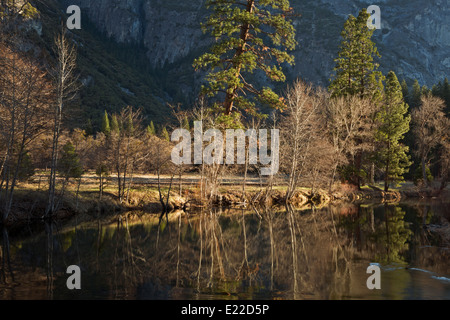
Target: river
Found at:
x=256, y=253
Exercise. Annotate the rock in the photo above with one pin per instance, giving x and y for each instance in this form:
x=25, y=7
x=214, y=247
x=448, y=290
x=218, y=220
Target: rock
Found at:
x=414, y=39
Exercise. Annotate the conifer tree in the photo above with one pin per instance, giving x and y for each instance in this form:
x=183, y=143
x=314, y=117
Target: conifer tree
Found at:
x=357, y=75
x=106, y=129
x=391, y=155
x=425, y=91
x=151, y=129
x=356, y=71
x=186, y=123
x=70, y=165
x=416, y=94
x=165, y=134
x=115, y=126
x=250, y=35
x=405, y=91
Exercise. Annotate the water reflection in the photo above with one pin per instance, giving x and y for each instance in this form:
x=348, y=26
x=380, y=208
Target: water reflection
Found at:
x=265, y=253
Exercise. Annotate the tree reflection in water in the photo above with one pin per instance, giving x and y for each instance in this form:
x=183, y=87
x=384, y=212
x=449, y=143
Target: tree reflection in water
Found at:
x=271, y=253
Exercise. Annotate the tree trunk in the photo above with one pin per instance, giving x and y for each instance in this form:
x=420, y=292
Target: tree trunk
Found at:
x=424, y=172
x=386, y=177
x=231, y=92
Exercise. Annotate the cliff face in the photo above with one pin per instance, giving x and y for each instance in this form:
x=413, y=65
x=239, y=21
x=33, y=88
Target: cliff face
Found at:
x=414, y=40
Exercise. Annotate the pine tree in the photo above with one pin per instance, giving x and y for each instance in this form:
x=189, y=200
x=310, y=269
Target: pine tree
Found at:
x=70, y=165
x=356, y=71
x=436, y=89
x=416, y=94
x=357, y=75
x=151, y=129
x=424, y=91
x=405, y=91
x=115, y=126
x=391, y=155
x=250, y=36
x=186, y=123
x=129, y=126
x=165, y=134
x=106, y=129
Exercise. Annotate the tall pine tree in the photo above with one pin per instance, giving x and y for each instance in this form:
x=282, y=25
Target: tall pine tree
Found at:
x=415, y=95
x=356, y=70
x=106, y=129
x=392, y=156
x=357, y=75
x=250, y=35
x=115, y=125
x=405, y=91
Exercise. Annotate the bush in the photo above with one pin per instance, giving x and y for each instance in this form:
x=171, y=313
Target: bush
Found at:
x=417, y=178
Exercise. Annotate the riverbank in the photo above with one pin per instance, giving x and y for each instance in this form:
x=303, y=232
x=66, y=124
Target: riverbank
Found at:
x=30, y=198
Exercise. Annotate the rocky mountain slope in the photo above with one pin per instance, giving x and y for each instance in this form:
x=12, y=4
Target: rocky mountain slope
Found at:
x=414, y=39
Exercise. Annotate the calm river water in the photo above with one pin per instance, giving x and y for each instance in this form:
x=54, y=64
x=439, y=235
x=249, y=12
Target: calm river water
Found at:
x=277, y=253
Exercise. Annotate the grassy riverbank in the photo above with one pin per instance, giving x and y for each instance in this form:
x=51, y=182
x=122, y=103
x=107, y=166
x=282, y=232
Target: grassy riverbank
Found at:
x=84, y=199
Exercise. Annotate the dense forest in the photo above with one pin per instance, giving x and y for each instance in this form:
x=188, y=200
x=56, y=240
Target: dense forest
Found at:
x=365, y=128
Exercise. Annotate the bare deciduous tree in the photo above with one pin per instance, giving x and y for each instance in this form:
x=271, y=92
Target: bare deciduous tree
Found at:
x=65, y=81
x=429, y=127
x=299, y=131
x=24, y=93
x=349, y=129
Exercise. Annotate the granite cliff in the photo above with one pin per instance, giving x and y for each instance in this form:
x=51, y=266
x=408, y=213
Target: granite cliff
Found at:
x=414, y=39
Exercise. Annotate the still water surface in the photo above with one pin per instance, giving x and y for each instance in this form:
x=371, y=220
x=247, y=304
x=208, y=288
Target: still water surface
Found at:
x=276, y=253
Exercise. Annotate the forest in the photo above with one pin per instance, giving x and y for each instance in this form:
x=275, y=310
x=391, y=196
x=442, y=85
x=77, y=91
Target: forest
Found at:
x=366, y=131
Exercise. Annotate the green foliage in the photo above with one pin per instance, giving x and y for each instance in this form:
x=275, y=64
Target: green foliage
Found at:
x=391, y=156
x=69, y=165
x=405, y=91
x=418, y=179
x=129, y=126
x=165, y=134
x=442, y=90
x=356, y=71
x=151, y=129
x=416, y=94
x=349, y=172
x=106, y=129
x=394, y=236
x=28, y=11
x=186, y=124
x=115, y=126
x=249, y=38
x=111, y=74
x=11, y=8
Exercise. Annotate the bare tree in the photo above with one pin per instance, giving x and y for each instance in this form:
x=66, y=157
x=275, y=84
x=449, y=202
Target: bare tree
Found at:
x=299, y=125
x=445, y=160
x=63, y=74
x=125, y=146
x=182, y=117
x=429, y=127
x=24, y=93
x=159, y=160
x=349, y=130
